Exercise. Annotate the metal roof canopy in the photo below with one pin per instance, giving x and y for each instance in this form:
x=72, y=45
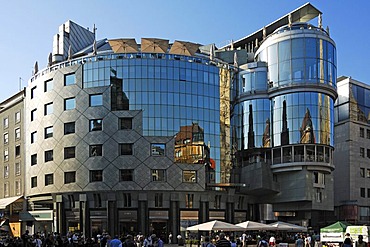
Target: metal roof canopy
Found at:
x=304, y=13
x=4, y=202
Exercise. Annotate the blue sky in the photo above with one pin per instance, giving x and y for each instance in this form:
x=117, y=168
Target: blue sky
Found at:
x=28, y=27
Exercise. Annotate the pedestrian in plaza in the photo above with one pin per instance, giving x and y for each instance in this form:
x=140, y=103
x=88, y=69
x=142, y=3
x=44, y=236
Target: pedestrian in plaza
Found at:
x=347, y=240
x=299, y=242
x=360, y=242
x=115, y=242
x=272, y=241
x=207, y=242
x=222, y=241
x=37, y=241
x=129, y=242
x=170, y=238
x=25, y=238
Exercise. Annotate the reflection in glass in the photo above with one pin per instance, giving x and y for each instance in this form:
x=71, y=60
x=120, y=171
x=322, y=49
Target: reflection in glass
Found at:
x=285, y=129
x=266, y=140
x=307, y=134
x=250, y=129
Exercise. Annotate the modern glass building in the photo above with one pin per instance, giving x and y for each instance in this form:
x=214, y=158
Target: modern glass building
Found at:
x=156, y=136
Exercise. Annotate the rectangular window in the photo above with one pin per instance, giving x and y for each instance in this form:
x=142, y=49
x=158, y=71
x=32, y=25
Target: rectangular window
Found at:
x=96, y=124
x=96, y=176
x=33, y=92
x=241, y=202
x=69, y=152
x=368, y=193
x=189, y=200
x=96, y=100
x=17, y=169
x=319, y=178
x=6, y=189
x=96, y=150
x=6, y=138
x=318, y=195
x=72, y=202
x=158, y=200
x=69, y=104
x=158, y=149
x=217, y=202
x=17, y=134
x=33, y=137
x=33, y=182
x=158, y=175
x=362, y=132
x=49, y=179
x=6, y=122
x=126, y=200
x=17, y=150
x=69, y=79
x=125, y=123
x=362, y=152
x=18, y=187
x=189, y=176
x=17, y=117
x=48, y=155
x=126, y=175
x=6, y=171
x=362, y=192
x=33, y=114
x=48, y=109
x=368, y=153
x=126, y=148
x=48, y=85
x=97, y=200
x=48, y=132
x=6, y=154
x=368, y=173
x=69, y=177
x=368, y=134
x=33, y=159
x=69, y=128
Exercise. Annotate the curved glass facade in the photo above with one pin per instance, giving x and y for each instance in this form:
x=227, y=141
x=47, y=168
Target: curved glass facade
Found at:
x=299, y=56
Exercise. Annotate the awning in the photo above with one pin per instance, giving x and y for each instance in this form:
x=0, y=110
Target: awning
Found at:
x=9, y=200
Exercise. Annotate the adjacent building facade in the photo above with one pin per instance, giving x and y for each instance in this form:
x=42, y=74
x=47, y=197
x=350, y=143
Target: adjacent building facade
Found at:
x=121, y=136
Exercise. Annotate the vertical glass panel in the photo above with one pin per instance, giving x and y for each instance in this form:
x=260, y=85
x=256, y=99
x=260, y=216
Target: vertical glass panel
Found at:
x=298, y=70
x=284, y=51
x=298, y=48
x=272, y=54
x=311, y=47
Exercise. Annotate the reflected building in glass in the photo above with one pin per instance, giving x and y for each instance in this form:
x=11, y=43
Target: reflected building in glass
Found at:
x=352, y=153
x=283, y=121
x=154, y=136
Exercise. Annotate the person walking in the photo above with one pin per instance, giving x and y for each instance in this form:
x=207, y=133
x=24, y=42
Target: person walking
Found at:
x=115, y=242
x=223, y=242
x=360, y=242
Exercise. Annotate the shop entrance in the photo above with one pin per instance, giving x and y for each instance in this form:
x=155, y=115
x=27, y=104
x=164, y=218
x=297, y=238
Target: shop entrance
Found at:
x=159, y=228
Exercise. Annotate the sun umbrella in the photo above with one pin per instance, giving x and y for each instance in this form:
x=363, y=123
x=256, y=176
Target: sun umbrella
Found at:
x=284, y=226
x=214, y=226
x=153, y=45
x=184, y=48
x=251, y=225
x=123, y=45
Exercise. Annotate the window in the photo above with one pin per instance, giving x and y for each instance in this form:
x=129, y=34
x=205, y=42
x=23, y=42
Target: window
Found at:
x=362, y=152
x=189, y=200
x=48, y=85
x=6, y=122
x=69, y=152
x=17, y=169
x=48, y=155
x=96, y=176
x=49, y=179
x=125, y=123
x=17, y=134
x=69, y=79
x=6, y=171
x=33, y=92
x=6, y=138
x=69, y=104
x=158, y=149
x=18, y=187
x=69, y=128
x=362, y=192
x=71, y=200
x=33, y=114
x=126, y=200
x=158, y=200
x=368, y=173
x=319, y=178
x=158, y=175
x=318, y=195
x=96, y=124
x=69, y=177
x=97, y=200
x=33, y=182
x=96, y=100
x=6, y=189
x=96, y=150
x=17, y=117
x=241, y=202
x=368, y=153
x=217, y=204
x=48, y=132
x=368, y=193
x=126, y=148
x=6, y=154
x=126, y=175
x=33, y=159
x=48, y=109
x=33, y=137
x=17, y=150
x=189, y=176
x=362, y=132
x=368, y=134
